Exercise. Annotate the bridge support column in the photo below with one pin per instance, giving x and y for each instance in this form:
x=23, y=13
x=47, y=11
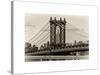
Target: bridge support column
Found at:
x=77, y=55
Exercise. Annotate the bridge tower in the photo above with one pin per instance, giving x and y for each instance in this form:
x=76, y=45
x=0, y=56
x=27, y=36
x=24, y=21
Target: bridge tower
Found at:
x=57, y=33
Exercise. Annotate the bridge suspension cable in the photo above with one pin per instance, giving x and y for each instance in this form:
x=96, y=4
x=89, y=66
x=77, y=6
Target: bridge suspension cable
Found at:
x=38, y=34
x=81, y=34
x=45, y=39
x=84, y=35
x=76, y=27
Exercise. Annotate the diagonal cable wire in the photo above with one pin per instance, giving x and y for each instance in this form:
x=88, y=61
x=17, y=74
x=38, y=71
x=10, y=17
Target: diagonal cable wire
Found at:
x=38, y=37
x=77, y=28
x=38, y=32
x=81, y=35
x=46, y=37
x=40, y=40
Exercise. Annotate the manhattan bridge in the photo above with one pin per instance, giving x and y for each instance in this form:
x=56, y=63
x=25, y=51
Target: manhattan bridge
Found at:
x=50, y=42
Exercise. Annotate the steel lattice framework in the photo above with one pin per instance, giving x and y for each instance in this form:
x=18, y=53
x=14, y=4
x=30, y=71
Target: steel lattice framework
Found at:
x=57, y=33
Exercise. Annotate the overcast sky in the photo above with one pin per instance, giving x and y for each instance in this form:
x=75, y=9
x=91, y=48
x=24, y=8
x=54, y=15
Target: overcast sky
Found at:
x=76, y=26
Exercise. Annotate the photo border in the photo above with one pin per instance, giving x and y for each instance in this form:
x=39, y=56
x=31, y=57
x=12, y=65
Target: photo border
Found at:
x=12, y=36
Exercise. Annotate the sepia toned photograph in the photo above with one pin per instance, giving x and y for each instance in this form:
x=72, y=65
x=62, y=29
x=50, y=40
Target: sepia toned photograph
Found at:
x=55, y=37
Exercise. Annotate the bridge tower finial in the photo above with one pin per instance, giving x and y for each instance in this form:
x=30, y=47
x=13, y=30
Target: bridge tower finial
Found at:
x=55, y=18
x=64, y=20
x=50, y=18
x=60, y=19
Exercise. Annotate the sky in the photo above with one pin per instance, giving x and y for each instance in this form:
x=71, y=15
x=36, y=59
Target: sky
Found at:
x=76, y=27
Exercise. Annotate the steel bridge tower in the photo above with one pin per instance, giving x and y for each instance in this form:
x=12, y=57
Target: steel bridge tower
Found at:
x=57, y=33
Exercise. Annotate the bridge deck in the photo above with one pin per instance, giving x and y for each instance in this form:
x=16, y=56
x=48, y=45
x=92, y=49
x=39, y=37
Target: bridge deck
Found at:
x=80, y=49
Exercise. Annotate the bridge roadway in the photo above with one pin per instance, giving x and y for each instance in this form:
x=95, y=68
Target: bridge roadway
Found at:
x=76, y=49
